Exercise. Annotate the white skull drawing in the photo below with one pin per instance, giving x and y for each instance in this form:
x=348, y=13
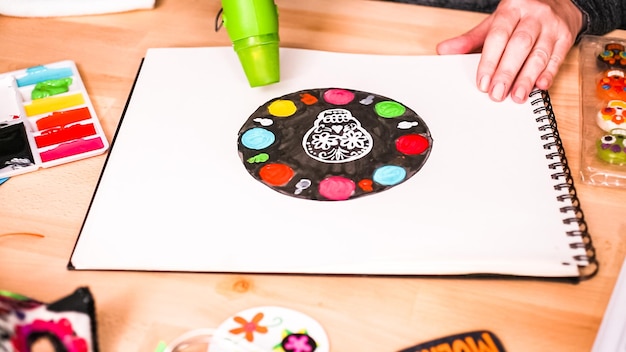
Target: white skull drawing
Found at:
x=337, y=137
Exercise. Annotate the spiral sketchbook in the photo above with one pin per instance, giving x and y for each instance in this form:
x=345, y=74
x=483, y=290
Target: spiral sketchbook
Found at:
x=206, y=174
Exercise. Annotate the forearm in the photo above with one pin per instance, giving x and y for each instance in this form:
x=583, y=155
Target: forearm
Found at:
x=602, y=16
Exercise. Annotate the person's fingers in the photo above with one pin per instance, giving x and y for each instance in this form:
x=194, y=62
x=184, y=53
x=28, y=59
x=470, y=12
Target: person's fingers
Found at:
x=469, y=42
x=526, y=56
x=502, y=26
x=561, y=48
x=534, y=66
x=523, y=45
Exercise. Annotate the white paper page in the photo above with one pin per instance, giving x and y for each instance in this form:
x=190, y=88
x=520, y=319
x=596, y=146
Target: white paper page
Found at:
x=175, y=196
x=8, y=100
x=612, y=333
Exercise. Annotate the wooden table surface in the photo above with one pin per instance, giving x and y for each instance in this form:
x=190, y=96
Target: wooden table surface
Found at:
x=135, y=309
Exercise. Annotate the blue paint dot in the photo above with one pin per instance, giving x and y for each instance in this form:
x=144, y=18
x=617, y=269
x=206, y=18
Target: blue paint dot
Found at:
x=257, y=138
x=389, y=175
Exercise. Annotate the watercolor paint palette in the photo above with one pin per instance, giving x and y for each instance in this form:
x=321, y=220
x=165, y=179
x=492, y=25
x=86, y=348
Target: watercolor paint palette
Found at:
x=46, y=119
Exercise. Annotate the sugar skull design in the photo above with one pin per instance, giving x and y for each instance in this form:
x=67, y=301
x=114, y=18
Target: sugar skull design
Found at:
x=613, y=55
x=337, y=137
x=333, y=144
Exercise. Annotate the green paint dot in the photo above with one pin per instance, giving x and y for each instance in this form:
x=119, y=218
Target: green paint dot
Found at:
x=51, y=87
x=389, y=109
x=259, y=158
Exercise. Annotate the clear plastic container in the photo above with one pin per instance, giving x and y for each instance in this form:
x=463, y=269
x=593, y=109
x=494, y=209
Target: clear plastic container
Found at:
x=603, y=111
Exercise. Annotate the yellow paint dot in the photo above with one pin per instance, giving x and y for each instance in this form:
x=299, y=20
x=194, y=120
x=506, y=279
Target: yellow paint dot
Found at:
x=282, y=108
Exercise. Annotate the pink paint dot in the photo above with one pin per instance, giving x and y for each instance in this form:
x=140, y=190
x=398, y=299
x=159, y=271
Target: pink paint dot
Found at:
x=338, y=96
x=337, y=188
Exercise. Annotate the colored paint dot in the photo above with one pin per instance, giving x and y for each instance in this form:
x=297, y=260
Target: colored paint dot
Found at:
x=51, y=87
x=282, y=108
x=336, y=188
x=338, y=96
x=308, y=99
x=389, y=109
x=366, y=185
x=411, y=144
x=257, y=138
x=276, y=174
x=389, y=175
x=259, y=158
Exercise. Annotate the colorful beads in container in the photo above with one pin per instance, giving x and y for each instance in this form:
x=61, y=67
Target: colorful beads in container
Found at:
x=612, y=116
x=333, y=144
x=612, y=85
x=613, y=55
x=612, y=147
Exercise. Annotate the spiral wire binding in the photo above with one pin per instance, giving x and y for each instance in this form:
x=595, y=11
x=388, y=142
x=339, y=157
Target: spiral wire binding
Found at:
x=540, y=100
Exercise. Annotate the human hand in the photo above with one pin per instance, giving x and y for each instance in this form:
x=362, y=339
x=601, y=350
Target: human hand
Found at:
x=523, y=42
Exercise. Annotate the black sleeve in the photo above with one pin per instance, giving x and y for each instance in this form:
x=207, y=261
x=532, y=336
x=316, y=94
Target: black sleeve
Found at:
x=602, y=16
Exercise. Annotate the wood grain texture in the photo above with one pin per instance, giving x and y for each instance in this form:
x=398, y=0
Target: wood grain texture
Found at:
x=135, y=309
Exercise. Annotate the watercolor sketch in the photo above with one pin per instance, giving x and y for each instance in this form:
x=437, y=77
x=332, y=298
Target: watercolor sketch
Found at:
x=333, y=144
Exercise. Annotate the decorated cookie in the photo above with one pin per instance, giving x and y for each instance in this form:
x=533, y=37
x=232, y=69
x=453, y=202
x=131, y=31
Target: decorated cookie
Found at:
x=612, y=116
x=612, y=85
x=333, y=144
x=612, y=147
x=613, y=56
x=270, y=329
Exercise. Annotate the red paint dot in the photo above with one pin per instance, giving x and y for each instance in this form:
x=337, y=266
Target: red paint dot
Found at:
x=336, y=188
x=276, y=174
x=412, y=144
x=338, y=96
x=366, y=185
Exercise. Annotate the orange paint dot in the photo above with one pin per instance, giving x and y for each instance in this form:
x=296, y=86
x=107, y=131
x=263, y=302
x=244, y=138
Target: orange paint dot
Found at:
x=366, y=185
x=276, y=174
x=308, y=99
